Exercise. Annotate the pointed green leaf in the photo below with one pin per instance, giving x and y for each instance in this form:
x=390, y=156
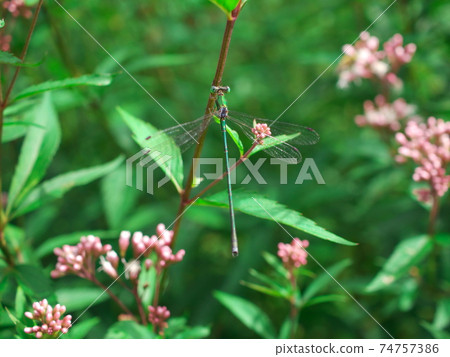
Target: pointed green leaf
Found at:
x=227, y=6
x=248, y=313
x=36, y=154
x=56, y=187
x=173, y=168
x=324, y=279
x=262, y=207
x=79, y=298
x=81, y=328
x=408, y=253
x=98, y=80
x=9, y=59
x=129, y=329
x=325, y=298
x=20, y=301
x=273, y=141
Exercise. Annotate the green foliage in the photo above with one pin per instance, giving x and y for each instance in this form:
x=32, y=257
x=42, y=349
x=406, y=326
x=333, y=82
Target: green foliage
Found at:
x=262, y=207
x=56, y=187
x=408, y=253
x=234, y=135
x=98, y=80
x=227, y=6
x=173, y=168
x=129, y=329
x=178, y=328
x=80, y=297
x=82, y=328
x=248, y=313
x=36, y=153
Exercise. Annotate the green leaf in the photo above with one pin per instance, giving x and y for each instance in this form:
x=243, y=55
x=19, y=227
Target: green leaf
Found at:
x=248, y=313
x=33, y=281
x=408, y=253
x=273, y=141
x=178, y=329
x=442, y=316
x=118, y=198
x=81, y=329
x=157, y=61
x=325, y=298
x=20, y=302
x=173, y=168
x=286, y=328
x=11, y=133
x=79, y=298
x=275, y=262
x=56, y=187
x=129, y=329
x=13, y=318
x=9, y=59
x=443, y=239
x=436, y=333
x=324, y=279
x=71, y=239
x=227, y=6
x=272, y=210
x=36, y=153
x=234, y=136
x=263, y=289
x=97, y=80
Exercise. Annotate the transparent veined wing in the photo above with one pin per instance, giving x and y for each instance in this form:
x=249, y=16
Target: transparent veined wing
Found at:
x=285, y=138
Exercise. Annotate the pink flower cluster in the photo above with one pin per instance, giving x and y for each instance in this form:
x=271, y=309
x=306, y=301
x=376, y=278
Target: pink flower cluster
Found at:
x=158, y=317
x=261, y=131
x=294, y=254
x=49, y=319
x=143, y=246
x=17, y=8
x=428, y=145
x=366, y=60
x=381, y=114
x=79, y=259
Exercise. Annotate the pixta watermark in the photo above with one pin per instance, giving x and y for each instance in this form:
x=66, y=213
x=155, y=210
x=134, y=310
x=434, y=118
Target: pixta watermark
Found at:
x=142, y=166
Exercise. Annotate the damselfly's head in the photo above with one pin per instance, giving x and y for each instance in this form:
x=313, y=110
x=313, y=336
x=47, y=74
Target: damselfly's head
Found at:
x=220, y=89
x=261, y=131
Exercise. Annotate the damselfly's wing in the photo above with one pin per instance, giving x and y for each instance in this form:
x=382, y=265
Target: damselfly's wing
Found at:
x=285, y=138
x=182, y=136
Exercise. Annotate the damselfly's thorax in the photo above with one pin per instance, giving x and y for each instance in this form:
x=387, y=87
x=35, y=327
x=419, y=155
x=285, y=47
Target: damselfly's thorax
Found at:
x=223, y=112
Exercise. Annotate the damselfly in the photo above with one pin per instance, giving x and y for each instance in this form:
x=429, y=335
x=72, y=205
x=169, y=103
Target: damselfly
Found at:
x=278, y=139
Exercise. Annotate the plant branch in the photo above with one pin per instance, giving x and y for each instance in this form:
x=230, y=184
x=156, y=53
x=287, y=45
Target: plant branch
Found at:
x=112, y=295
x=139, y=304
x=23, y=55
x=217, y=81
x=294, y=308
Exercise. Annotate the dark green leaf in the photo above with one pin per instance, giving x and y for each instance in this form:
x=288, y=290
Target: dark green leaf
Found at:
x=435, y=332
x=325, y=298
x=118, y=198
x=9, y=59
x=129, y=329
x=33, y=281
x=56, y=187
x=81, y=329
x=324, y=279
x=97, y=80
x=408, y=253
x=248, y=313
x=262, y=207
x=36, y=154
x=79, y=298
x=173, y=168
x=178, y=329
x=20, y=302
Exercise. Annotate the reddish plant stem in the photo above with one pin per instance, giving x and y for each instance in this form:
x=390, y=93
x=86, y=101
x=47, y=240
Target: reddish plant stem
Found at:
x=3, y=103
x=111, y=294
x=217, y=81
x=139, y=304
x=23, y=54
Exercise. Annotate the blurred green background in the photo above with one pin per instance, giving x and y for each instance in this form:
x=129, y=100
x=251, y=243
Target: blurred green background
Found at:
x=277, y=50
